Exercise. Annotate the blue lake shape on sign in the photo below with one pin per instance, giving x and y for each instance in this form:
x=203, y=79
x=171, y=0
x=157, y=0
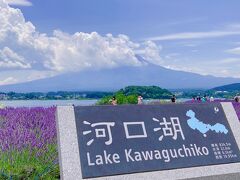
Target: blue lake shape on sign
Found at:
x=203, y=128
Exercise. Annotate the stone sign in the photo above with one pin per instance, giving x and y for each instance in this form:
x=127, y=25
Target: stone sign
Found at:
x=117, y=140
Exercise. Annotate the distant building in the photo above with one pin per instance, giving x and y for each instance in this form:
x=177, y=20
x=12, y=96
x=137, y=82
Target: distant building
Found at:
x=3, y=97
x=58, y=97
x=220, y=92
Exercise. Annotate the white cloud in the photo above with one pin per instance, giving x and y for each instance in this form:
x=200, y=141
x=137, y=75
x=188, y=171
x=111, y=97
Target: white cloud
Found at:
x=194, y=35
x=150, y=52
x=9, y=80
x=172, y=55
x=63, y=52
x=227, y=67
x=82, y=50
x=19, y=2
x=230, y=61
x=234, y=51
x=26, y=75
x=10, y=59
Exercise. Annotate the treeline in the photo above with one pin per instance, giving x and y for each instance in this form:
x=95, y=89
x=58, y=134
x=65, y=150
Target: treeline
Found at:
x=60, y=95
x=147, y=92
x=216, y=94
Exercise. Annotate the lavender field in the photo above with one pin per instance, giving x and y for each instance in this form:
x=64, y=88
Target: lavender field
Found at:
x=28, y=143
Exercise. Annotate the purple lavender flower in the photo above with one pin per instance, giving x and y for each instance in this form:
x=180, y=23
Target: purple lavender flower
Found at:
x=31, y=128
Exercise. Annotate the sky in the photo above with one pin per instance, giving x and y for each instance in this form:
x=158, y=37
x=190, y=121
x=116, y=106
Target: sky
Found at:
x=41, y=39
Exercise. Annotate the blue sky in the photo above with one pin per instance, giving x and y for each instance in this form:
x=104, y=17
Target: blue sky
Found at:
x=136, y=18
x=196, y=36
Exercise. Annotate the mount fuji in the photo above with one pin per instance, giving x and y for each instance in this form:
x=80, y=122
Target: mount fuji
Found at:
x=116, y=78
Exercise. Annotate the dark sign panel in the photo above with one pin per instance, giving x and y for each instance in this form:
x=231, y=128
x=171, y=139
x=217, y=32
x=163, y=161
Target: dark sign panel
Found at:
x=128, y=139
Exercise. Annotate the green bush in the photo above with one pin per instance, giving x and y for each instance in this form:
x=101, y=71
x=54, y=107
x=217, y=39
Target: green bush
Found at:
x=24, y=165
x=147, y=92
x=121, y=99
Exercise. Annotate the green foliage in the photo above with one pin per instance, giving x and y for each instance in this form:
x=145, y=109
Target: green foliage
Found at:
x=126, y=99
x=121, y=99
x=105, y=100
x=24, y=165
x=130, y=94
x=132, y=99
x=147, y=92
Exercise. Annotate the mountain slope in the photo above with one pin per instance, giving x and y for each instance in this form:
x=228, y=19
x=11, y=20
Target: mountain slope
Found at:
x=114, y=79
x=229, y=87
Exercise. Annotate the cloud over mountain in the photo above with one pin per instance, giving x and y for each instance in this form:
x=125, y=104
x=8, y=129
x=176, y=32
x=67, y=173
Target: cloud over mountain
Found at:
x=23, y=47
